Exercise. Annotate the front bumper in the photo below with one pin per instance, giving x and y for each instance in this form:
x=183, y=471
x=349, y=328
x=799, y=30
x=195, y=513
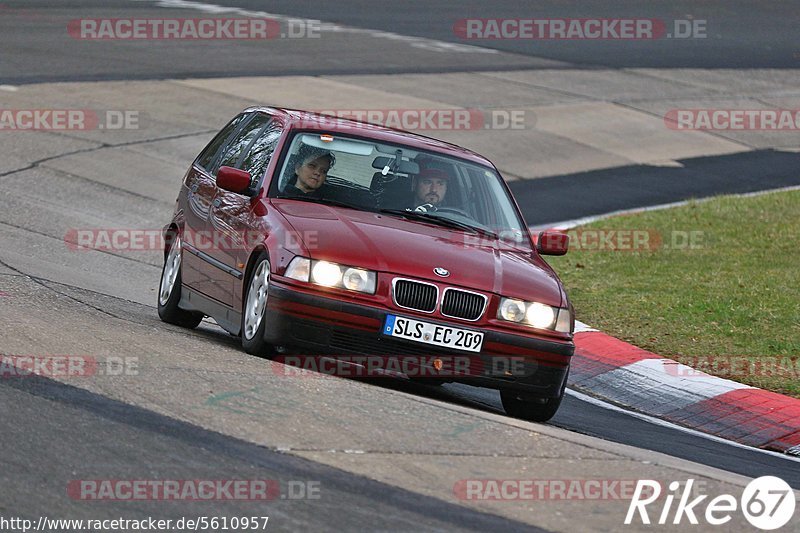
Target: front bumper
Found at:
x=314, y=324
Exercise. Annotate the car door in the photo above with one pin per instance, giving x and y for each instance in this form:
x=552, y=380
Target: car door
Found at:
x=200, y=191
x=226, y=211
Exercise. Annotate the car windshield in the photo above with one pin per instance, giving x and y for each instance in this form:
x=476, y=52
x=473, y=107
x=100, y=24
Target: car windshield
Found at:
x=399, y=181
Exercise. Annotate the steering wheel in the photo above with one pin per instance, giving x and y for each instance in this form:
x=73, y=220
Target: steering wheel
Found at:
x=455, y=210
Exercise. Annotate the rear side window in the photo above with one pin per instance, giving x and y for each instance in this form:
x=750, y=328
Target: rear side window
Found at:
x=260, y=153
x=241, y=141
x=209, y=155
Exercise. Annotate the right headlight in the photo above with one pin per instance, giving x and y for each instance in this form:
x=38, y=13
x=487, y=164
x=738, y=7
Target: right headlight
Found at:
x=534, y=314
x=329, y=274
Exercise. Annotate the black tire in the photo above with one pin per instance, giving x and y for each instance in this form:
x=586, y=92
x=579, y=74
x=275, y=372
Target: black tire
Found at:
x=531, y=409
x=254, y=310
x=538, y=410
x=169, y=294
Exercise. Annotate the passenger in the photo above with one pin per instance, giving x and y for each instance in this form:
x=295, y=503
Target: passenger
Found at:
x=310, y=171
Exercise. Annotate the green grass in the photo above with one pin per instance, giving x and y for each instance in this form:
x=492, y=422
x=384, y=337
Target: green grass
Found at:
x=736, y=294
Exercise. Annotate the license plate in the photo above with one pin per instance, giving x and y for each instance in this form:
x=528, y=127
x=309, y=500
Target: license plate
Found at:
x=436, y=334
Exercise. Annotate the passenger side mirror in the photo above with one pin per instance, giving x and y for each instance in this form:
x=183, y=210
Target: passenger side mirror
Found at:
x=552, y=242
x=233, y=179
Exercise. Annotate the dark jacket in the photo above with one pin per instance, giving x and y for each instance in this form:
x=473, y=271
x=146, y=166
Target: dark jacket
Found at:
x=292, y=190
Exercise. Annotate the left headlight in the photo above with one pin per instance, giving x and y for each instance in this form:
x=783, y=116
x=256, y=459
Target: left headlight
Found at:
x=328, y=274
x=535, y=314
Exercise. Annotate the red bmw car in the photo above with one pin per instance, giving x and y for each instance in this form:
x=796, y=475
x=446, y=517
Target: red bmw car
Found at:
x=307, y=234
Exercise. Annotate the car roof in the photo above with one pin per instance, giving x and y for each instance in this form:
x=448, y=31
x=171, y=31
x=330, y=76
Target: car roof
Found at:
x=297, y=119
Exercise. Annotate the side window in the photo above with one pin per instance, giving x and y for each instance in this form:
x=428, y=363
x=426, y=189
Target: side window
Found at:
x=233, y=151
x=260, y=153
x=209, y=154
x=477, y=197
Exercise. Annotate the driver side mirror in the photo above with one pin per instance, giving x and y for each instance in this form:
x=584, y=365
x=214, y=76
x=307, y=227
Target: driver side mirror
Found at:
x=552, y=242
x=233, y=179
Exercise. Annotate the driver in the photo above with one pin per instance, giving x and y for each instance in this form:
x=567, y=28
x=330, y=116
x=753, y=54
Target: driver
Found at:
x=430, y=188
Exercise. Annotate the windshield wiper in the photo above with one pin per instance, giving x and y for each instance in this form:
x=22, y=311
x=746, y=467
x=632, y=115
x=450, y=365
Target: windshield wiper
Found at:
x=442, y=221
x=316, y=200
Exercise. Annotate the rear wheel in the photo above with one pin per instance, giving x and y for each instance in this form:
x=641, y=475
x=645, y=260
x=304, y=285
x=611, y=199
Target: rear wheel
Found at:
x=254, y=310
x=169, y=290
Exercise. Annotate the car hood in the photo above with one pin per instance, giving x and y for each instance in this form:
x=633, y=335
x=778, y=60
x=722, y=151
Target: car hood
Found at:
x=387, y=243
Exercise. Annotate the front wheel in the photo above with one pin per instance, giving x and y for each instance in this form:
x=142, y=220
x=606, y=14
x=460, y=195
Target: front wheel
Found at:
x=532, y=409
x=254, y=310
x=169, y=290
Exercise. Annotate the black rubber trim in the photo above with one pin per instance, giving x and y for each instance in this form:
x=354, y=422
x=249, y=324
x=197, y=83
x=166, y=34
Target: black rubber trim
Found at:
x=238, y=274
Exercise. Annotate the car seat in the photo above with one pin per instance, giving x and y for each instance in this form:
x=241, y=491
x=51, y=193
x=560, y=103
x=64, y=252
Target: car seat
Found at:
x=391, y=191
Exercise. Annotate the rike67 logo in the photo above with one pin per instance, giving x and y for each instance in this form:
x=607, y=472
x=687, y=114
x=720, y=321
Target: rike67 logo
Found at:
x=767, y=503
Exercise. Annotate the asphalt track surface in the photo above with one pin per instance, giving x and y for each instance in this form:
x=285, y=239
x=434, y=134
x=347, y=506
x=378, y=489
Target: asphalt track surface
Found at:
x=80, y=427
x=118, y=439
x=740, y=34
x=590, y=419
x=598, y=192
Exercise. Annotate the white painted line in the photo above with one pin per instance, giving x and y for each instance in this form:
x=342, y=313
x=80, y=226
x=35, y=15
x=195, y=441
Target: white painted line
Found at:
x=416, y=42
x=648, y=383
x=668, y=163
x=762, y=193
x=9, y=88
x=580, y=327
x=676, y=375
x=676, y=427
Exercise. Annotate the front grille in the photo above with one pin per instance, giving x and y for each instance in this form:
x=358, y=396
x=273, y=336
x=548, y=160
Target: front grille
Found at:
x=415, y=295
x=462, y=304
